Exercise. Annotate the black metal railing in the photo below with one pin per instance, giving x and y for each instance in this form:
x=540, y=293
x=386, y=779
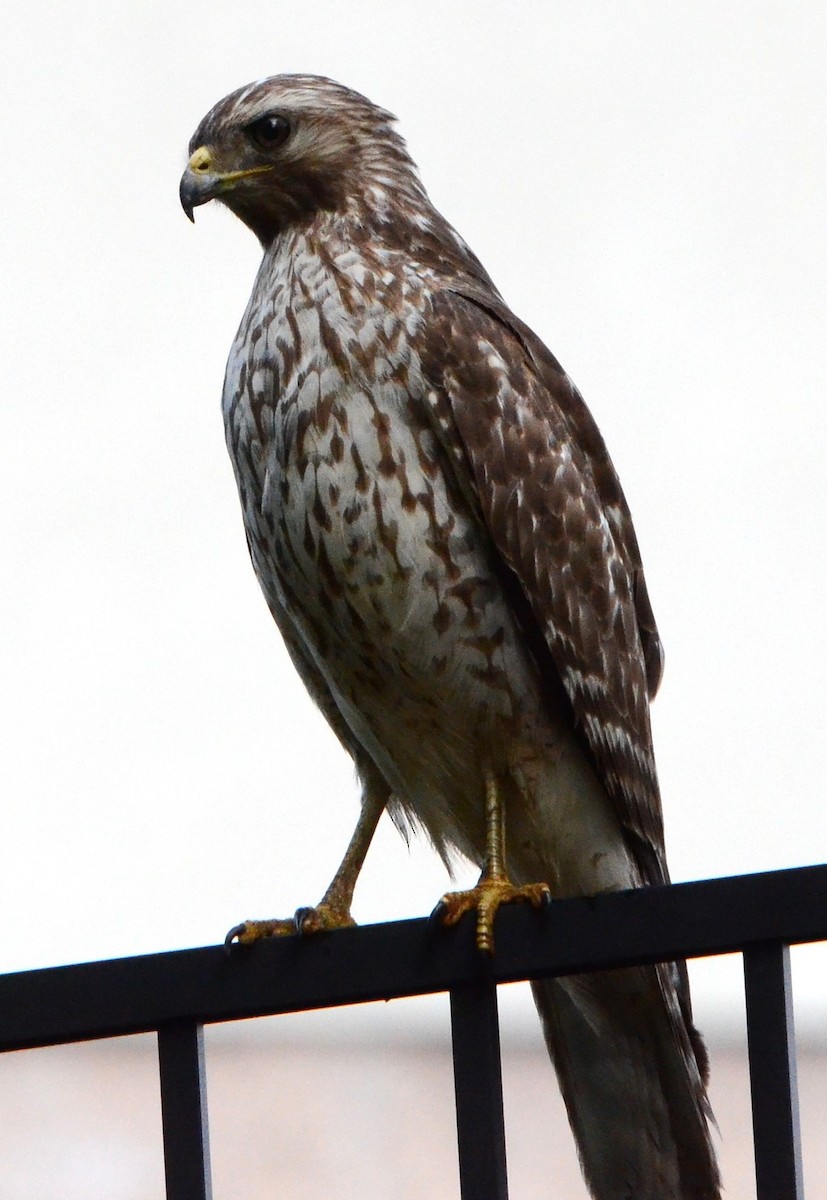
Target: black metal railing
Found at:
x=175, y=994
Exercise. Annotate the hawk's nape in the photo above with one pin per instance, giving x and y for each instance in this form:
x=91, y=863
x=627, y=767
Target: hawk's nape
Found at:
x=444, y=544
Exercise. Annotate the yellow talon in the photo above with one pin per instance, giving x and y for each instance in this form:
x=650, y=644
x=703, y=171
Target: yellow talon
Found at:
x=307, y=920
x=494, y=887
x=486, y=898
x=255, y=931
x=333, y=910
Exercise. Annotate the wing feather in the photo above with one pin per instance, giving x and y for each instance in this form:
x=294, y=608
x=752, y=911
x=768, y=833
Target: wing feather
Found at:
x=535, y=467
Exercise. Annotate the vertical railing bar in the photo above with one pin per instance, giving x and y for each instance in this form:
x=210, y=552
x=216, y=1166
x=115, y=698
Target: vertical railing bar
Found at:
x=773, y=1077
x=184, y=1111
x=475, y=1033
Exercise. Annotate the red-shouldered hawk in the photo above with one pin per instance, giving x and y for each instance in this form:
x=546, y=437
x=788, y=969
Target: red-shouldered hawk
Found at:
x=444, y=544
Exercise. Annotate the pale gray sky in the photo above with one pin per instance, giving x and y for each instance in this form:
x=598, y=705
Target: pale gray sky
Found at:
x=645, y=182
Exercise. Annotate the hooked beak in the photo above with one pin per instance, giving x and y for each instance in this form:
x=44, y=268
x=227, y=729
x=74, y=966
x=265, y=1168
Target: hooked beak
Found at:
x=201, y=182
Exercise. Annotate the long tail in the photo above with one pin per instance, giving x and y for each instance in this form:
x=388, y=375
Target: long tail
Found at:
x=632, y=1070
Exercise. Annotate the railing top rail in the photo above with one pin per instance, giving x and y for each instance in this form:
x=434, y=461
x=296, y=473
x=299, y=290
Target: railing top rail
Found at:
x=408, y=958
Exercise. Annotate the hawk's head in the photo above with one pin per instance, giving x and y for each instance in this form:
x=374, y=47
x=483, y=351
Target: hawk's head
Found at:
x=282, y=149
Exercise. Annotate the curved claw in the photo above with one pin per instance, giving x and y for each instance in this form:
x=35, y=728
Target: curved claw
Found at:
x=303, y=918
x=438, y=914
x=235, y=932
x=322, y=918
x=255, y=931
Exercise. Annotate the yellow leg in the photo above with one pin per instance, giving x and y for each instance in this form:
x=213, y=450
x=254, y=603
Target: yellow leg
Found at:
x=494, y=887
x=333, y=911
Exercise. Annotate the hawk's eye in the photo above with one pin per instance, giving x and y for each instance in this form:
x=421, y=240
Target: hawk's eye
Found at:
x=269, y=132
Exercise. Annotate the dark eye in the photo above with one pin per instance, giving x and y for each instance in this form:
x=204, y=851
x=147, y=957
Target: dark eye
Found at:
x=269, y=132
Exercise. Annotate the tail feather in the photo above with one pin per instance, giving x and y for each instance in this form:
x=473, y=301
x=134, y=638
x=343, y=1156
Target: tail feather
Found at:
x=632, y=1072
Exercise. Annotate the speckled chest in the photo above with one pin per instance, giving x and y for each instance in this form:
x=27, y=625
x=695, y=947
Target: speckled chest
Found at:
x=355, y=529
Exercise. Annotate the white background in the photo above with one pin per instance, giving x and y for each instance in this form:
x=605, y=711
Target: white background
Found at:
x=645, y=182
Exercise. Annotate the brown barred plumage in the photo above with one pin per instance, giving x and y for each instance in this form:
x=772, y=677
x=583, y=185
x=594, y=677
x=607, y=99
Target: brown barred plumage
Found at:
x=446, y=549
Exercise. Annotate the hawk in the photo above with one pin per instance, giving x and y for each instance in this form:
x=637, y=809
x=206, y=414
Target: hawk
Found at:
x=444, y=544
